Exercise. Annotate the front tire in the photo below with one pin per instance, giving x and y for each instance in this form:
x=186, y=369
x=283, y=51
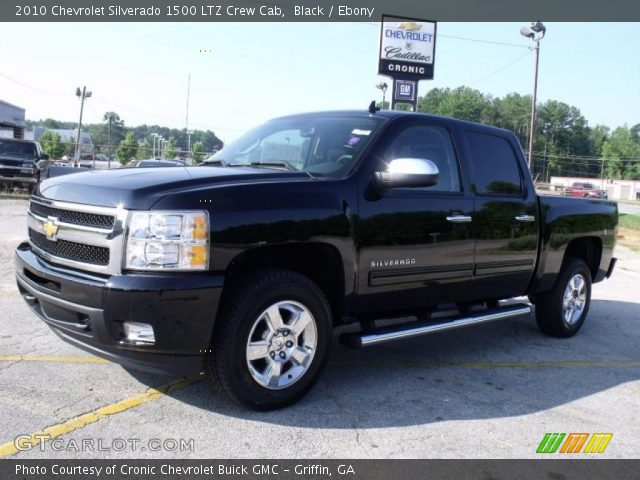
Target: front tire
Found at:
x=561, y=311
x=272, y=339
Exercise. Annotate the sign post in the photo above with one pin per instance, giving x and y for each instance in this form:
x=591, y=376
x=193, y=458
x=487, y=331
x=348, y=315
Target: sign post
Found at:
x=407, y=55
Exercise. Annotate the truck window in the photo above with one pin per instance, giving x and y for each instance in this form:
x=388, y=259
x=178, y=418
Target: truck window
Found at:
x=432, y=143
x=495, y=165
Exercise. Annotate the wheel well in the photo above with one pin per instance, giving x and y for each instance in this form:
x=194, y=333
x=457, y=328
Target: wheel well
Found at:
x=588, y=249
x=321, y=263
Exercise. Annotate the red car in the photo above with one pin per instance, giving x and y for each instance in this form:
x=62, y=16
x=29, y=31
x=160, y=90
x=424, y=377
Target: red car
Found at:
x=587, y=190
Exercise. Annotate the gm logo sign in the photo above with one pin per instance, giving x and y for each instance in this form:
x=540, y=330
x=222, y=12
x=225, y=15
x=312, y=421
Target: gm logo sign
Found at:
x=574, y=443
x=405, y=90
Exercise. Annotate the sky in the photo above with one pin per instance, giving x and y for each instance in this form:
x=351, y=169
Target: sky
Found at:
x=242, y=74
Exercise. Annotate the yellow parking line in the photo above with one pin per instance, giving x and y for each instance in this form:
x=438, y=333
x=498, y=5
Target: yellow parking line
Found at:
x=88, y=418
x=36, y=358
x=523, y=364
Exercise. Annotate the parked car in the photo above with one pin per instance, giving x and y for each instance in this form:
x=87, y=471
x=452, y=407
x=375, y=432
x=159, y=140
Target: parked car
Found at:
x=18, y=160
x=584, y=189
x=244, y=266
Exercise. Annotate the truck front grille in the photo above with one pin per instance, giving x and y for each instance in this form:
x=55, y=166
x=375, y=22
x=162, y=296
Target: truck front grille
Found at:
x=76, y=252
x=84, y=237
x=84, y=219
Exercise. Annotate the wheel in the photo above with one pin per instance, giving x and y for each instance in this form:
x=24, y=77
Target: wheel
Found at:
x=561, y=311
x=272, y=340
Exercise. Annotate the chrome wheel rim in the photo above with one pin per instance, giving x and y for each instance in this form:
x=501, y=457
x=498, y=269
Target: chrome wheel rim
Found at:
x=281, y=345
x=574, y=299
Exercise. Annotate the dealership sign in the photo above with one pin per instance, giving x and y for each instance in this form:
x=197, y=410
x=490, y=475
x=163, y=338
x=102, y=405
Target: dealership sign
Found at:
x=407, y=48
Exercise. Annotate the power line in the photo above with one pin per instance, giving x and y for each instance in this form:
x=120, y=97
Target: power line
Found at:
x=500, y=70
x=35, y=89
x=468, y=39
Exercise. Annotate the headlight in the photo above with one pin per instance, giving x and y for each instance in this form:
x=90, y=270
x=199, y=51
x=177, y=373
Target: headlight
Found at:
x=168, y=240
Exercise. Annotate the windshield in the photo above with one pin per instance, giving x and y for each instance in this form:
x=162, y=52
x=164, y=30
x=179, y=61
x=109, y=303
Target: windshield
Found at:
x=322, y=144
x=17, y=149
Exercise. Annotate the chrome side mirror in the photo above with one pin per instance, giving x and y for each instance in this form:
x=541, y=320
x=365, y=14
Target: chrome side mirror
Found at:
x=409, y=172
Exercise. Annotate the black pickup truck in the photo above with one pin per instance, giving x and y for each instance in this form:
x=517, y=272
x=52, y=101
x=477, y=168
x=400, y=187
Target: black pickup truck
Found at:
x=18, y=161
x=243, y=267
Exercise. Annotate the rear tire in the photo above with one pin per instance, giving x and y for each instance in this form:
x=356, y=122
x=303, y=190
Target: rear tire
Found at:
x=272, y=340
x=561, y=311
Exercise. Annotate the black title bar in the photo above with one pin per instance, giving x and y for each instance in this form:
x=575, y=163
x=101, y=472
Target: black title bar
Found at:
x=314, y=11
x=574, y=469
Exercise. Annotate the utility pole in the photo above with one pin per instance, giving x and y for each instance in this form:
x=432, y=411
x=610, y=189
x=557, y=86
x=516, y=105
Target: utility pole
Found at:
x=82, y=94
x=186, y=122
x=535, y=32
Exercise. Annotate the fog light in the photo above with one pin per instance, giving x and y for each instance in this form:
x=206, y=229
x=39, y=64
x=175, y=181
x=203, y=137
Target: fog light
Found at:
x=139, y=333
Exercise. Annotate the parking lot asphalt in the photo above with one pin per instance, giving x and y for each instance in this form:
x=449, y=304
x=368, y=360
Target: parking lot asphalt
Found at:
x=490, y=391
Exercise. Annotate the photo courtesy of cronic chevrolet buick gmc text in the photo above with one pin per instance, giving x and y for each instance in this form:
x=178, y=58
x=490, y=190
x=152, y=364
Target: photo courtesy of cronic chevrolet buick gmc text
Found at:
x=243, y=267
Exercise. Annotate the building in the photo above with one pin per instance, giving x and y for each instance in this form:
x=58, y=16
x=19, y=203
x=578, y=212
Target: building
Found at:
x=69, y=136
x=616, y=189
x=12, y=121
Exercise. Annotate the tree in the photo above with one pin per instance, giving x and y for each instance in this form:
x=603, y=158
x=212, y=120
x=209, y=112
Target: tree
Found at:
x=621, y=152
x=197, y=152
x=171, y=150
x=112, y=118
x=52, y=145
x=127, y=149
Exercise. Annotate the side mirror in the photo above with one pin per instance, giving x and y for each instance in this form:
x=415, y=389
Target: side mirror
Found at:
x=42, y=163
x=44, y=156
x=409, y=172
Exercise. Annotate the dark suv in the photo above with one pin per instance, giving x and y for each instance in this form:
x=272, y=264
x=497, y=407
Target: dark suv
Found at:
x=18, y=160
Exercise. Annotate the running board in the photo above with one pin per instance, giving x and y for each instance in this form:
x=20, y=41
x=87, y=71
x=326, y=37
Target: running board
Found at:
x=399, y=332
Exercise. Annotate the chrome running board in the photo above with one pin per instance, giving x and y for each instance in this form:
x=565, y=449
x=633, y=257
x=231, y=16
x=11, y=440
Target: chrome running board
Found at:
x=413, y=329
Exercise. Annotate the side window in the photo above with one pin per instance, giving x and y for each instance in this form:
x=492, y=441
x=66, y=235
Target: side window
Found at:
x=432, y=143
x=495, y=165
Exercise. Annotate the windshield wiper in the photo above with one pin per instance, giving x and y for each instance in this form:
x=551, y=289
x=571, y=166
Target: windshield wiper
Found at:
x=281, y=164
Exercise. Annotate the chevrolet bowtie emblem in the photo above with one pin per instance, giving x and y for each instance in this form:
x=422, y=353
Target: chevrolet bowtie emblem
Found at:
x=50, y=228
x=410, y=26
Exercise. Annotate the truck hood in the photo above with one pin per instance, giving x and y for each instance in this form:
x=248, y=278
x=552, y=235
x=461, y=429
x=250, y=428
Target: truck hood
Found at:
x=141, y=188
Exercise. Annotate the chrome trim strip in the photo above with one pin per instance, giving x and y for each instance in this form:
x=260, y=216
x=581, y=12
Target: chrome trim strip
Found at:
x=77, y=207
x=459, y=218
x=401, y=331
x=70, y=226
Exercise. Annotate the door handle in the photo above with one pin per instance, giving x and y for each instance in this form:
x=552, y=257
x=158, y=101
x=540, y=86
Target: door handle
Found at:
x=459, y=218
x=525, y=218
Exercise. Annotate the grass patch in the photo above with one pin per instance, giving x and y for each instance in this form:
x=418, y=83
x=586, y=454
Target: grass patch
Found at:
x=629, y=221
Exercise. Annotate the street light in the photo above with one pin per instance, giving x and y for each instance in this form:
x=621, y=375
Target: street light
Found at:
x=535, y=32
x=153, y=150
x=84, y=93
x=382, y=86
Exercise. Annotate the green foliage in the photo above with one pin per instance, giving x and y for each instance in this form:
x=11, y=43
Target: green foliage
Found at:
x=564, y=144
x=630, y=221
x=171, y=149
x=197, y=152
x=621, y=151
x=127, y=149
x=52, y=145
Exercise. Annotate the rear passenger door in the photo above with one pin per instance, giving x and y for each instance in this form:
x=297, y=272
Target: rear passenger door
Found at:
x=505, y=223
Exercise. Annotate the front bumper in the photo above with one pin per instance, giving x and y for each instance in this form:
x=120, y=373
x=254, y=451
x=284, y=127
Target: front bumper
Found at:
x=89, y=310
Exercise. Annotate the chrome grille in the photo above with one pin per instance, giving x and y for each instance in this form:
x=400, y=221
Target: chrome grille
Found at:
x=84, y=237
x=76, y=252
x=75, y=218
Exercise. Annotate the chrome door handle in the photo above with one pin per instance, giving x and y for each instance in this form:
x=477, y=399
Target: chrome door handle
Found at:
x=525, y=218
x=459, y=218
